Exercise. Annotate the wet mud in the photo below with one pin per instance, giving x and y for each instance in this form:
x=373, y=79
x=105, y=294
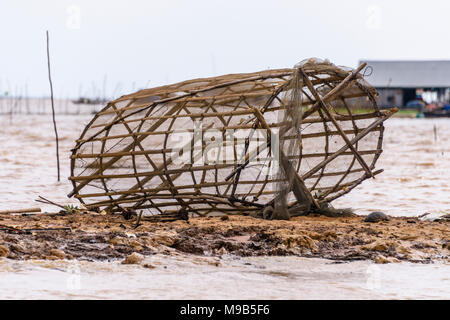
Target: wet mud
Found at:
x=93, y=237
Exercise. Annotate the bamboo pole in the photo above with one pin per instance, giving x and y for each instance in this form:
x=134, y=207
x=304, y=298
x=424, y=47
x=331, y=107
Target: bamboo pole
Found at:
x=127, y=148
x=195, y=98
x=239, y=127
x=29, y=210
x=53, y=106
x=336, y=91
x=335, y=123
x=298, y=184
x=353, y=141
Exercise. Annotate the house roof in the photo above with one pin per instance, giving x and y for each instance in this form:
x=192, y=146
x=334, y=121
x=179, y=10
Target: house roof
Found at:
x=409, y=74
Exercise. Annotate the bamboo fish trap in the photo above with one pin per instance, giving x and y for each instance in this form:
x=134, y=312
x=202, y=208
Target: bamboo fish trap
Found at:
x=214, y=145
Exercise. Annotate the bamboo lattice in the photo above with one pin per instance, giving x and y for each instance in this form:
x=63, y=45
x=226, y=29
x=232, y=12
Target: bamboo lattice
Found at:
x=196, y=146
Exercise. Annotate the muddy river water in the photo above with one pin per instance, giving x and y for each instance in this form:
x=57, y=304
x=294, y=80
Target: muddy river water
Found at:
x=416, y=160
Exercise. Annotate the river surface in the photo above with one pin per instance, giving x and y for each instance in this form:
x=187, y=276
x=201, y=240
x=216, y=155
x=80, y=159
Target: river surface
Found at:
x=188, y=277
x=416, y=160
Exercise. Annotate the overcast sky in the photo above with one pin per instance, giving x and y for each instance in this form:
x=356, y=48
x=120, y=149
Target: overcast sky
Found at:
x=132, y=44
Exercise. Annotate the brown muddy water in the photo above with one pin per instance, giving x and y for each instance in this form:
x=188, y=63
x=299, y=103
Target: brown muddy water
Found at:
x=416, y=180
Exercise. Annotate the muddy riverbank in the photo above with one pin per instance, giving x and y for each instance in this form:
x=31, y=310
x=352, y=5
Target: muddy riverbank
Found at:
x=94, y=237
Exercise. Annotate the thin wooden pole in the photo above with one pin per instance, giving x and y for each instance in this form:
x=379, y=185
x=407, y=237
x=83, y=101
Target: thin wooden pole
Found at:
x=30, y=210
x=53, y=107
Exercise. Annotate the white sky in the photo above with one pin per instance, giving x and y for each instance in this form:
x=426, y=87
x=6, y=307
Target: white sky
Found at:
x=135, y=44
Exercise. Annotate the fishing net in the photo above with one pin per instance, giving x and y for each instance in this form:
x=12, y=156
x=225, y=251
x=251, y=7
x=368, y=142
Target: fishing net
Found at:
x=232, y=144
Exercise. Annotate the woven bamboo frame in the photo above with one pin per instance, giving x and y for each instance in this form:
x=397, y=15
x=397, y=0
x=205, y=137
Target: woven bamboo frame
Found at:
x=124, y=157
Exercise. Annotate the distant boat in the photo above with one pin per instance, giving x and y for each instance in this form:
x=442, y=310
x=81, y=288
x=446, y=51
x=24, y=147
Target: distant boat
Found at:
x=437, y=113
x=82, y=100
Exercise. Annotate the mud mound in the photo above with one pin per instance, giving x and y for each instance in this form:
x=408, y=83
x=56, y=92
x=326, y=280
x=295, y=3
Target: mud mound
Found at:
x=95, y=237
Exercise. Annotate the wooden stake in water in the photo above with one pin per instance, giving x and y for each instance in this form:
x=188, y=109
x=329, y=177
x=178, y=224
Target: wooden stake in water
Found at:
x=53, y=106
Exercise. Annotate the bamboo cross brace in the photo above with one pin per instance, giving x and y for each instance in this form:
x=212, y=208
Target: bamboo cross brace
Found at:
x=193, y=98
x=237, y=173
x=192, y=186
x=353, y=141
x=194, y=92
x=168, y=178
x=127, y=148
x=309, y=120
x=349, y=169
x=329, y=96
x=173, y=98
x=298, y=185
x=163, y=179
x=337, y=90
x=355, y=184
x=177, y=172
x=336, y=124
